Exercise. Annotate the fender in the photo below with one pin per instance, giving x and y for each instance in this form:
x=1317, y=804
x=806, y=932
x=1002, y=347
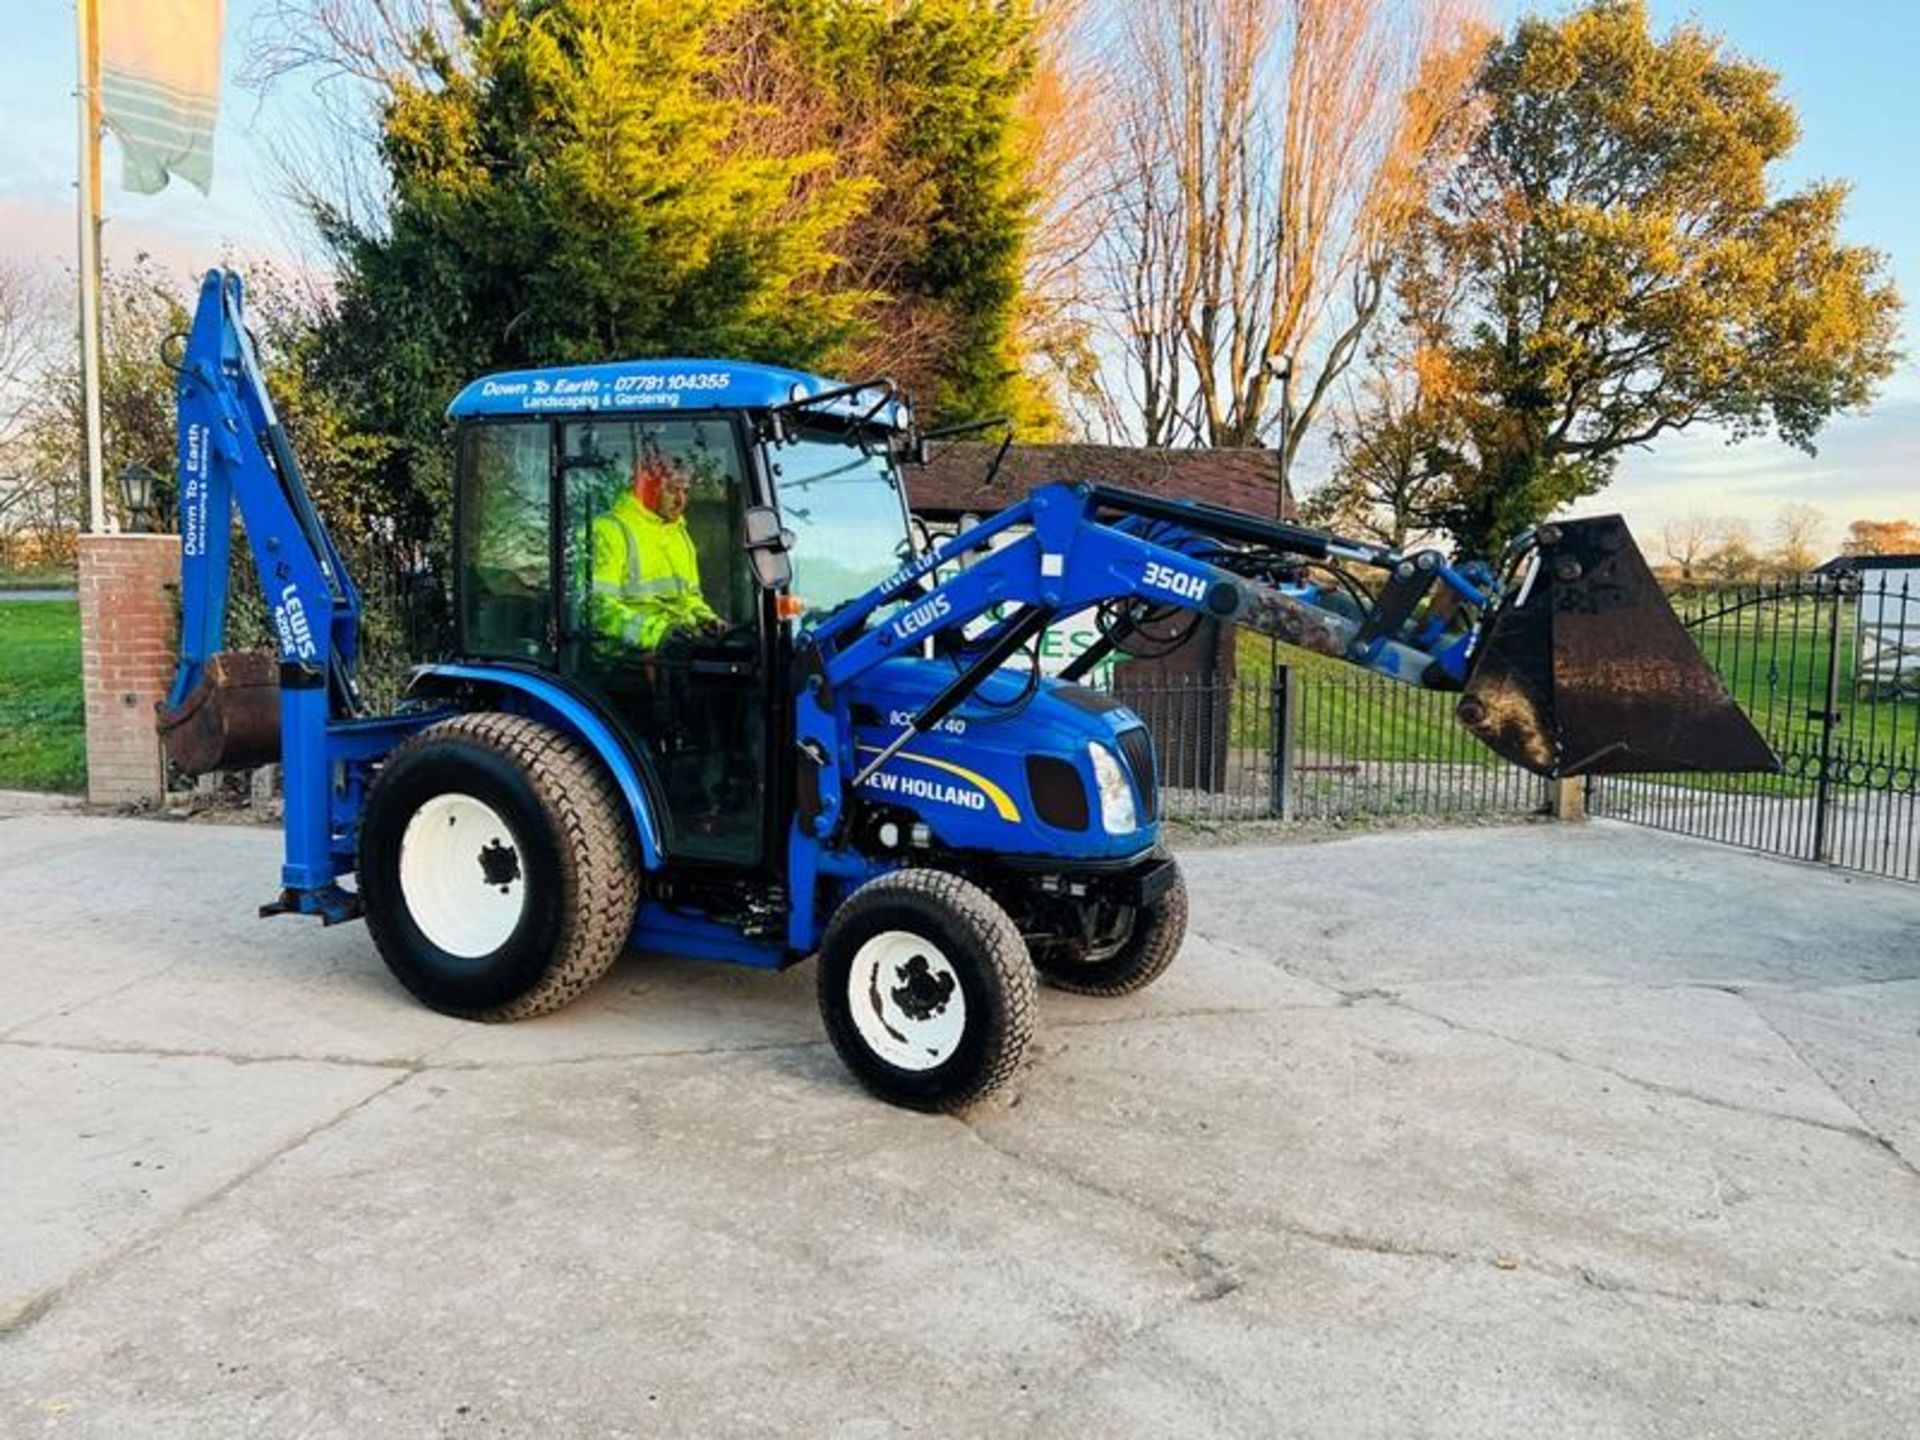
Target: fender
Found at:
x=551, y=700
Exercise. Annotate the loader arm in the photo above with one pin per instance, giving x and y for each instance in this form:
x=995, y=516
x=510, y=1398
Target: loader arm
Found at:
x=1085, y=546
x=1429, y=624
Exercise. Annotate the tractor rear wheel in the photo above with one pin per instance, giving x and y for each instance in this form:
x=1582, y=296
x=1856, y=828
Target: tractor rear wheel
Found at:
x=496, y=867
x=1137, y=946
x=927, y=990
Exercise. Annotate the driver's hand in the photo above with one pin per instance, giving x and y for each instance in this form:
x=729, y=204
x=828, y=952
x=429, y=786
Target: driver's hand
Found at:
x=712, y=628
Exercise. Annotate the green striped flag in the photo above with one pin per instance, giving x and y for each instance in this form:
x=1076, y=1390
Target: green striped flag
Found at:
x=160, y=88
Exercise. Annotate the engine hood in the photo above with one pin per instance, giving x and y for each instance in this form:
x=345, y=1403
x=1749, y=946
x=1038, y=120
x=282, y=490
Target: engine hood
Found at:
x=1005, y=774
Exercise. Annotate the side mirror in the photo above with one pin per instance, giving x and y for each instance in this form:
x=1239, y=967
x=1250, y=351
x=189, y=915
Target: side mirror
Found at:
x=773, y=569
x=767, y=544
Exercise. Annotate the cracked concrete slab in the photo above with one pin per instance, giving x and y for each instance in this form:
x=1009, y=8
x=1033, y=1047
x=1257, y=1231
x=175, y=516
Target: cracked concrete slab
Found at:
x=1398, y=1132
x=104, y=1150
x=1703, y=1042
x=1475, y=1133
x=1373, y=1345
x=618, y=1260
x=1861, y=1042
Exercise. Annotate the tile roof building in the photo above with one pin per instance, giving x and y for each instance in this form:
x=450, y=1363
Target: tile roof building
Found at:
x=951, y=483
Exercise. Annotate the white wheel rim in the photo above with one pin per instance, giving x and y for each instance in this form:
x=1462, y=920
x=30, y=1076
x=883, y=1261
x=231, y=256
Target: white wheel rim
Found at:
x=906, y=1000
x=461, y=875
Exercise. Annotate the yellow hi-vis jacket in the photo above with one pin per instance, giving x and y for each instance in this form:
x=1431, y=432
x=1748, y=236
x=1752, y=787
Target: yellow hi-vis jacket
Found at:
x=646, y=578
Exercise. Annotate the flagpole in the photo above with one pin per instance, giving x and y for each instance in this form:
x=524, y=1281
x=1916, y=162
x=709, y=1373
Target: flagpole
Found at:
x=88, y=14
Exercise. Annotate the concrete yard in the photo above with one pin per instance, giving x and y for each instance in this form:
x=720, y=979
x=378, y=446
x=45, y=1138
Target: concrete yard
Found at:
x=1531, y=1131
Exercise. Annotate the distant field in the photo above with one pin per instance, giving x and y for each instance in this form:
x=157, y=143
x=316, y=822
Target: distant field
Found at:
x=36, y=579
x=42, y=737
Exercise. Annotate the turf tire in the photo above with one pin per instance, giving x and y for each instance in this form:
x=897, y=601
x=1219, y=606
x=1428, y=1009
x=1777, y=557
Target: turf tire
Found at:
x=575, y=850
x=1134, y=963
x=980, y=943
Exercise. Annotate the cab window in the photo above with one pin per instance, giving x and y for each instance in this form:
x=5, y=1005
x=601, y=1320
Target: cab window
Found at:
x=626, y=558
x=847, y=515
x=506, y=590
x=662, y=619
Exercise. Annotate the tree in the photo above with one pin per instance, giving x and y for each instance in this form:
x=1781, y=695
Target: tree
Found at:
x=1882, y=537
x=923, y=106
x=1685, y=540
x=140, y=309
x=1269, y=153
x=570, y=186
x=27, y=333
x=909, y=121
x=1631, y=269
x=836, y=186
x=1389, y=445
x=1798, y=530
x=1066, y=130
x=1732, y=557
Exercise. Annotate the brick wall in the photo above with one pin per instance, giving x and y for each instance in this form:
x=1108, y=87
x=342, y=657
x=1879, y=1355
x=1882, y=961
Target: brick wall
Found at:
x=128, y=631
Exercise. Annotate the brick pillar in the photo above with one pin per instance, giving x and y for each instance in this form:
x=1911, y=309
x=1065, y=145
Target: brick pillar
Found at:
x=128, y=632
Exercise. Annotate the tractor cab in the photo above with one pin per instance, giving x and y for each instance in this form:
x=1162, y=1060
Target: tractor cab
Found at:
x=606, y=522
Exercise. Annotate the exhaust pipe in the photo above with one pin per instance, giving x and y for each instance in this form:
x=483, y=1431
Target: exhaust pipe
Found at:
x=1586, y=670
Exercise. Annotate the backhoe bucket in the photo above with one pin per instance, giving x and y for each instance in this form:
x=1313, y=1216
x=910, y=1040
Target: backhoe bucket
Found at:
x=230, y=720
x=1587, y=671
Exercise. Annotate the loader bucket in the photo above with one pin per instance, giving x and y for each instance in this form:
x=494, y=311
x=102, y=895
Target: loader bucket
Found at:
x=1587, y=671
x=230, y=720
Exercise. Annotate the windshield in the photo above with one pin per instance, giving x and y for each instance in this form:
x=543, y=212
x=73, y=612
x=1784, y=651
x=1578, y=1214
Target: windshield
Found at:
x=847, y=515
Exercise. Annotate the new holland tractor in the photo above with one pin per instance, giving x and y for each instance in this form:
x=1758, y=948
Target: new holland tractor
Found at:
x=771, y=726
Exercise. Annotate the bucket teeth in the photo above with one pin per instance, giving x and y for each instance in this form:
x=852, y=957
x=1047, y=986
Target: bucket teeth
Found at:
x=1587, y=671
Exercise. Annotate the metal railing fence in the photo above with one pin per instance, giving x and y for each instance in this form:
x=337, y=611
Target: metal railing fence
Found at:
x=1829, y=669
x=1301, y=744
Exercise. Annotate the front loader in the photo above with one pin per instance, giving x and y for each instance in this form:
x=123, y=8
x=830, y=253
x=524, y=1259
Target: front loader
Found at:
x=853, y=753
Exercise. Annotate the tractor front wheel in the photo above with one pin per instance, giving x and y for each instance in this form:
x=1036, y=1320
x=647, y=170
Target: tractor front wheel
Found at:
x=496, y=867
x=927, y=990
x=1130, y=950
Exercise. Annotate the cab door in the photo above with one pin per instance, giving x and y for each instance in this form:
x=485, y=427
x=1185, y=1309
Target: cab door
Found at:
x=660, y=618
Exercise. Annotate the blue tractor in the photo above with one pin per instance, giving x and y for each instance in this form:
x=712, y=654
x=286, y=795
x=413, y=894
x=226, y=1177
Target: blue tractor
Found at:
x=770, y=726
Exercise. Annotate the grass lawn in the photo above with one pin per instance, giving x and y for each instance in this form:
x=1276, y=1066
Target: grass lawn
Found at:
x=42, y=737
x=1346, y=710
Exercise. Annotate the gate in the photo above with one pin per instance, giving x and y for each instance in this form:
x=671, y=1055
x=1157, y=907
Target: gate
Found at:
x=1829, y=669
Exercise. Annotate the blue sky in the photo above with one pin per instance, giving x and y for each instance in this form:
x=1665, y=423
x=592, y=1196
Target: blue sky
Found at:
x=1848, y=65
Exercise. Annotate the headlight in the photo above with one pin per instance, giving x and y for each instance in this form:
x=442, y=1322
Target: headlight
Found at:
x=1117, y=815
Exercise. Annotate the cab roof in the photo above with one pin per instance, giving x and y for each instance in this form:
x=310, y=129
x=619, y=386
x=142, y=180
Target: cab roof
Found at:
x=658, y=385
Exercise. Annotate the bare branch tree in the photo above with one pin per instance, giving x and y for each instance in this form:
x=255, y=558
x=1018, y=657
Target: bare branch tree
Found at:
x=1798, y=533
x=1068, y=120
x=353, y=56
x=1882, y=537
x=29, y=341
x=1686, y=539
x=1272, y=153
x=1731, y=557
x=376, y=42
